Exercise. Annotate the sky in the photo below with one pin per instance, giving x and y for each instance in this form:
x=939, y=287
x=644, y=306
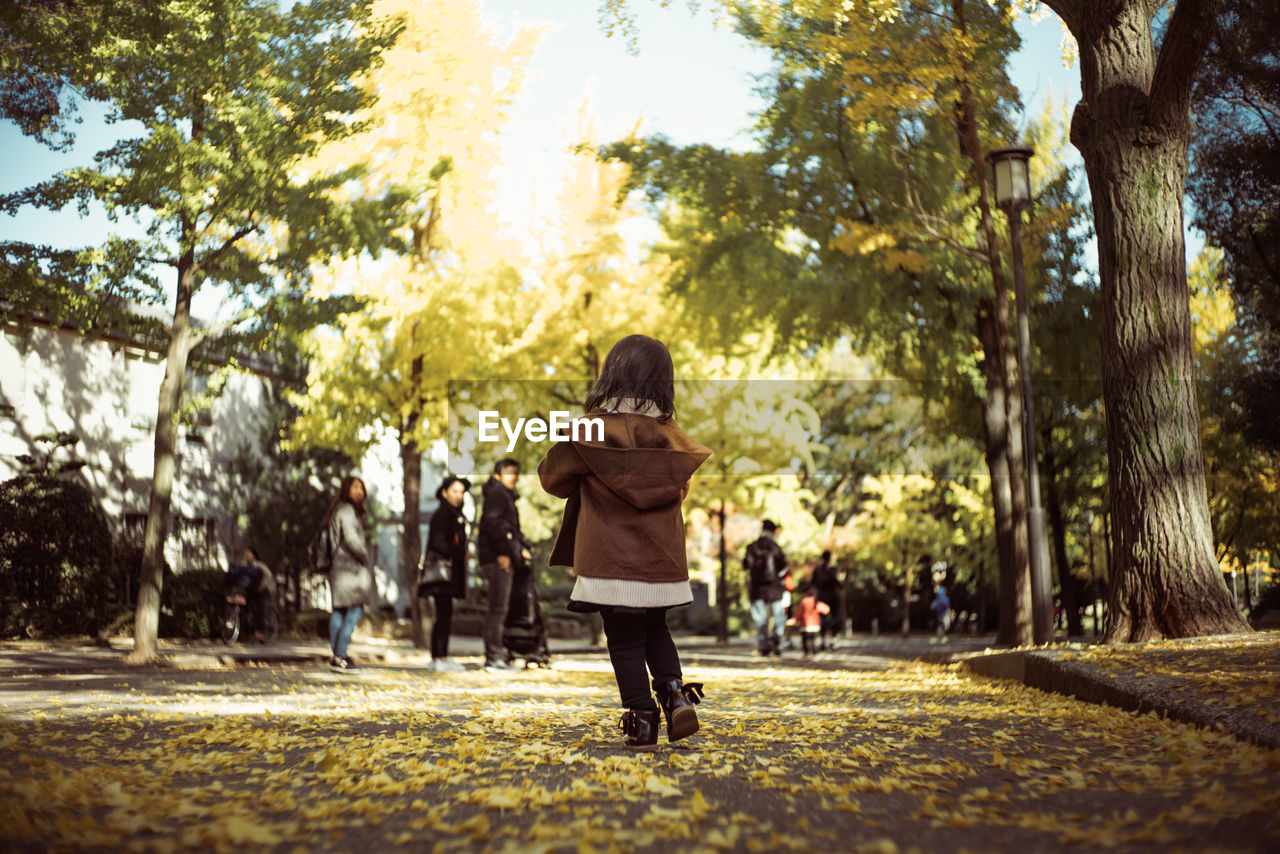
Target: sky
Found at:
x=687, y=79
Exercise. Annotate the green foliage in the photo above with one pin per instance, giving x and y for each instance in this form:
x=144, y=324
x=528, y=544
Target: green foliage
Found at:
x=55, y=558
x=232, y=97
x=1234, y=187
x=56, y=440
x=192, y=603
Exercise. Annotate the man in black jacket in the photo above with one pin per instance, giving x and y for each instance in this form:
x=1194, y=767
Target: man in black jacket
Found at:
x=766, y=566
x=501, y=549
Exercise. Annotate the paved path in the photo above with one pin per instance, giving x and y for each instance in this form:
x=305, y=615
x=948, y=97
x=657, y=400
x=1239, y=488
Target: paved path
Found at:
x=857, y=752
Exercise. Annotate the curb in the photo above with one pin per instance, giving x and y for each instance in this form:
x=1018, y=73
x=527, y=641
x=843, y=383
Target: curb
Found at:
x=1082, y=681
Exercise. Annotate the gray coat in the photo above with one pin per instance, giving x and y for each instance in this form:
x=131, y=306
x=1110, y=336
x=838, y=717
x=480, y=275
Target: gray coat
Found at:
x=350, y=581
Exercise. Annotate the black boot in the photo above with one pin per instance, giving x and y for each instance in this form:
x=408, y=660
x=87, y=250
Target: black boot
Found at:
x=641, y=728
x=677, y=701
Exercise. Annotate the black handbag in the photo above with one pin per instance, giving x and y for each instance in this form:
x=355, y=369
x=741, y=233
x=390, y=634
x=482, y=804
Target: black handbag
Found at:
x=434, y=571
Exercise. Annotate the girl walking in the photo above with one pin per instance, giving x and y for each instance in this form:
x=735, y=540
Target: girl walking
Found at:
x=623, y=531
x=350, y=581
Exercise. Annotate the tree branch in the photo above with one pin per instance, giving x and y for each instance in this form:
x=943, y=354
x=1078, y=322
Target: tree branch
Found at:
x=211, y=259
x=1071, y=11
x=201, y=336
x=1181, y=55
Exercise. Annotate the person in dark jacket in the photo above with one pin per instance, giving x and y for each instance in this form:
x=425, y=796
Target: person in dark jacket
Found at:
x=502, y=549
x=447, y=538
x=254, y=586
x=350, y=578
x=826, y=581
x=766, y=566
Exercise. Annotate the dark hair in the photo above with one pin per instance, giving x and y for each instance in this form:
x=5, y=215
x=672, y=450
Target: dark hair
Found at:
x=826, y=556
x=449, y=481
x=344, y=494
x=637, y=367
x=769, y=525
x=505, y=463
x=254, y=552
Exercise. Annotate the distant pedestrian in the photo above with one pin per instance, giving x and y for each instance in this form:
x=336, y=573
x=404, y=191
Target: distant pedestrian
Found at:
x=447, y=540
x=350, y=578
x=254, y=585
x=941, y=606
x=826, y=583
x=766, y=567
x=623, y=532
x=808, y=616
x=502, y=550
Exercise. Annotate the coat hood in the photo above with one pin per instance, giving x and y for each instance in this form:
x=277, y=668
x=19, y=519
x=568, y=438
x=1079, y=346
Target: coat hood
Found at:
x=646, y=462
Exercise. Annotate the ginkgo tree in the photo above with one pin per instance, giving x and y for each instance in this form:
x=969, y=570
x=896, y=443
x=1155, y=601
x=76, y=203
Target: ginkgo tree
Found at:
x=445, y=306
x=909, y=521
x=1139, y=61
x=232, y=97
x=866, y=212
x=1243, y=479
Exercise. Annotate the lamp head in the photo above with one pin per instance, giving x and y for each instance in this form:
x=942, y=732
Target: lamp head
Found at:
x=1013, y=180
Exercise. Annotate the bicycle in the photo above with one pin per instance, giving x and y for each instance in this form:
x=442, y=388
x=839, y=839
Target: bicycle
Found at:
x=233, y=621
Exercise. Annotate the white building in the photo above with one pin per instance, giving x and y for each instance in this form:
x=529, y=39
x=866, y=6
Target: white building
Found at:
x=105, y=391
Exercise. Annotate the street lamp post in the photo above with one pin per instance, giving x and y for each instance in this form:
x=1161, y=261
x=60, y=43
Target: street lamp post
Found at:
x=1013, y=194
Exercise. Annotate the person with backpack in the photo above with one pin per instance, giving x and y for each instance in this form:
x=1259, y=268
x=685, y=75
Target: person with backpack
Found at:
x=350, y=579
x=766, y=567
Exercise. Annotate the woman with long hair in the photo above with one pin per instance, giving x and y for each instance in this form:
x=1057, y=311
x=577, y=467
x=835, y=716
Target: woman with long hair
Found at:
x=350, y=579
x=623, y=532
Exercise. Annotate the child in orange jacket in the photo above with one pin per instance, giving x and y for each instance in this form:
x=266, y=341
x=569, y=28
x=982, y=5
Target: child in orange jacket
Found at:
x=808, y=616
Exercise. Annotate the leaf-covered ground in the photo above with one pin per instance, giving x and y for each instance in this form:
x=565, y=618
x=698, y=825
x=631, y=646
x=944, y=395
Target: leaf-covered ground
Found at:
x=906, y=756
x=1229, y=671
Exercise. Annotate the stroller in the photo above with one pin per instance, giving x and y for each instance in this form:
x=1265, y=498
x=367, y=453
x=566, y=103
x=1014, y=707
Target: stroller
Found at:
x=524, y=634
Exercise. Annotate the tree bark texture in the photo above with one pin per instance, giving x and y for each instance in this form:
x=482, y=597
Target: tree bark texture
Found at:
x=1000, y=367
x=1132, y=128
x=146, y=622
x=995, y=418
x=1070, y=601
x=411, y=536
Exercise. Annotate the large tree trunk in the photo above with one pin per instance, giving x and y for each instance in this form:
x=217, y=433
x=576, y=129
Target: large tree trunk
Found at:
x=1132, y=128
x=146, y=621
x=420, y=611
x=411, y=537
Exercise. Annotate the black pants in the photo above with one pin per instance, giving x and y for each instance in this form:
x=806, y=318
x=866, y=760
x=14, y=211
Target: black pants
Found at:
x=637, y=640
x=499, y=601
x=807, y=639
x=441, y=625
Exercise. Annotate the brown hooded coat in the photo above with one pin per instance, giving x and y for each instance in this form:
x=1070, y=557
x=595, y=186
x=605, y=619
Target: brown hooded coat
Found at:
x=622, y=518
